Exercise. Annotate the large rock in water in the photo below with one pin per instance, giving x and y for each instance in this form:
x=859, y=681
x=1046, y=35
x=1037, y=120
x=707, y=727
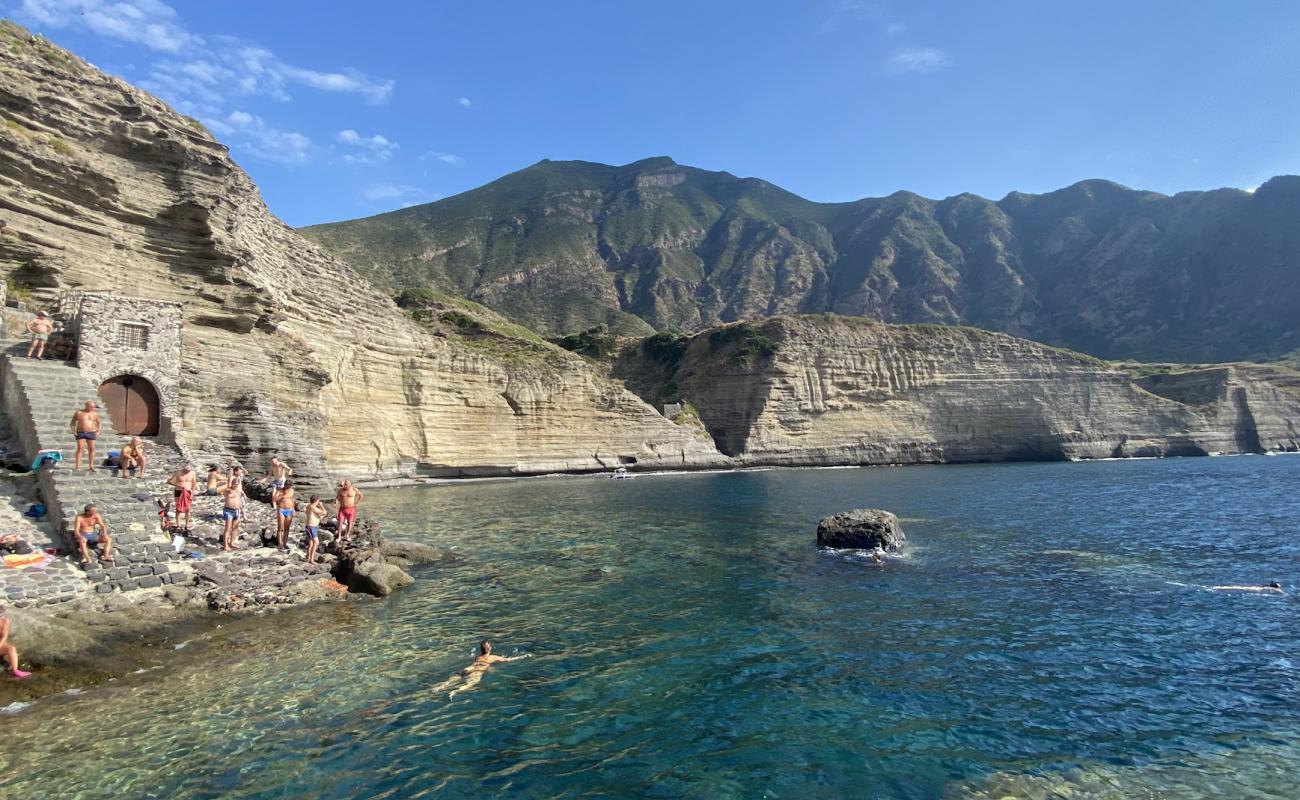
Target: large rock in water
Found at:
x=861, y=529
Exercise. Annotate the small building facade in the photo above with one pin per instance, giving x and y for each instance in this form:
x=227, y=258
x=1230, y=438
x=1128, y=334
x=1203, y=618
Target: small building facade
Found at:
x=130, y=348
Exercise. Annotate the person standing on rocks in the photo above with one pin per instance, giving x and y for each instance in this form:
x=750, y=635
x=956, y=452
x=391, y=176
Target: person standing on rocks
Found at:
x=89, y=528
x=231, y=512
x=348, y=497
x=216, y=481
x=184, y=482
x=40, y=329
x=279, y=473
x=86, y=426
x=315, y=513
x=283, y=502
x=7, y=650
x=132, y=461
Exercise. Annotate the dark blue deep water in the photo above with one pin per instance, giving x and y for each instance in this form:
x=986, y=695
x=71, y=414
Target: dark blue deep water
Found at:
x=1050, y=633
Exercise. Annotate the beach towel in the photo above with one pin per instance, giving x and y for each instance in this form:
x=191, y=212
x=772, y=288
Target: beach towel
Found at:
x=28, y=561
x=52, y=456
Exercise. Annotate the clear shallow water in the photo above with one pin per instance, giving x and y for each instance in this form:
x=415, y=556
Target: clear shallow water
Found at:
x=1048, y=635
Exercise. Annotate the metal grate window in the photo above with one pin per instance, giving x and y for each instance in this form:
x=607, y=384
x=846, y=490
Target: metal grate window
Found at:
x=133, y=336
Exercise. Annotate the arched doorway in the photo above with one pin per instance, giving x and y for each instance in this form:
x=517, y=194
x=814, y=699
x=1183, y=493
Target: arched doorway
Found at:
x=132, y=404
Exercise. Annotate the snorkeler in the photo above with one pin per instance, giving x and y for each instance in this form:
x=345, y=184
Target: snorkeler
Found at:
x=472, y=674
x=1273, y=586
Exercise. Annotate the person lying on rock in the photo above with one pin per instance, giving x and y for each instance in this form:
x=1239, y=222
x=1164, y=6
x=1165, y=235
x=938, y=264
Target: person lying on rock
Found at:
x=132, y=461
x=282, y=501
x=40, y=329
x=279, y=473
x=232, y=510
x=216, y=481
x=89, y=528
x=86, y=426
x=472, y=674
x=348, y=497
x=185, y=482
x=314, y=515
x=7, y=650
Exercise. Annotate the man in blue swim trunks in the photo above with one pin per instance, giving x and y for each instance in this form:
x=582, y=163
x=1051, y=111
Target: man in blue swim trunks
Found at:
x=282, y=501
x=230, y=513
x=86, y=426
x=315, y=513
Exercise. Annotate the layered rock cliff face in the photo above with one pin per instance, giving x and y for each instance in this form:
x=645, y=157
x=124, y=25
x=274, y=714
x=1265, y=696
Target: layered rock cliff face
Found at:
x=287, y=350
x=1097, y=267
x=832, y=390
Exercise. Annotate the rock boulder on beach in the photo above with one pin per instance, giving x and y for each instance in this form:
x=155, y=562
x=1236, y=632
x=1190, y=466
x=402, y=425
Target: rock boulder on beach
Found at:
x=861, y=529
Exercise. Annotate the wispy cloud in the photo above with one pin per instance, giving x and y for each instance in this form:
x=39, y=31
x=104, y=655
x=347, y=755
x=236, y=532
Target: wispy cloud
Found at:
x=446, y=158
x=366, y=149
x=916, y=60
x=197, y=69
x=256, y=137
x=895, y=29
x=464, y=102
x=151, y=23
x=846, y=11
x=393, y=191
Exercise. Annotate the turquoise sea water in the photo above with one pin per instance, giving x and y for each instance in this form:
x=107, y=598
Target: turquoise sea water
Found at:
x=1049, y=634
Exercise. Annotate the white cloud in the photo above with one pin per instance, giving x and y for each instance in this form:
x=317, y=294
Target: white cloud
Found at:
x=391, y=191
x=446, y=158
x=895, y=29
x=252, y=135
x=850, y=11
x=368, y=149
x=148, y=22
x=464, y=102
x=200, y=70
x=1251, y=189
x=916, y=59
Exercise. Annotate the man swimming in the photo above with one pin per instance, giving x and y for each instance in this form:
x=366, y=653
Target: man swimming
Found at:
x=282, y=501
x=86, y=425
x=1273, y=586
x=472, y=674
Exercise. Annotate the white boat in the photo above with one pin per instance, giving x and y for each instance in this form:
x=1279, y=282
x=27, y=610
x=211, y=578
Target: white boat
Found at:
x=621, y=474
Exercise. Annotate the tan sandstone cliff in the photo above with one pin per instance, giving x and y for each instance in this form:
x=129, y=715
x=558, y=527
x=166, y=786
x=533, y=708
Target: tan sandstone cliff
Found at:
x=841, y=390
x=286, y=349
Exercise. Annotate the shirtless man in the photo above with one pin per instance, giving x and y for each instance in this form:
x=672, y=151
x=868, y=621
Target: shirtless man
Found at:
x=40, y=329
x=231, y=512
x=348, y=497
x=315, y=513
x=89, y=528
x=132, y=459
x=185, y=482
x=216, y=481
x=86, y=426
x=472, y=674
x=7, y=650
x=282, y=501
x=279, y=473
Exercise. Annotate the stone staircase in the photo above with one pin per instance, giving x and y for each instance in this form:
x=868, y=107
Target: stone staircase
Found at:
x=40, y=399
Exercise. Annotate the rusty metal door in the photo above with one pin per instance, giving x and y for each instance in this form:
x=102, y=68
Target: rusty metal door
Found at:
x=132, y=404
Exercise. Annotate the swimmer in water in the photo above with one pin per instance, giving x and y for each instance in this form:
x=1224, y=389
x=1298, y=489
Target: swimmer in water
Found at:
x=472, y=674
x=1271, y=587
x=878, y=557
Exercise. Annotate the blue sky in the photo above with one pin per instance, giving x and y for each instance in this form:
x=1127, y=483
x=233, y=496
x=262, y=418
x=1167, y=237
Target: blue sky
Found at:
x=345, y=110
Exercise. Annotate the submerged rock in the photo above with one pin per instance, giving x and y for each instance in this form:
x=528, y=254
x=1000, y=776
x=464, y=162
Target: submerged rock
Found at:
x=416, y=553
x=368, y=572
x=861, y=529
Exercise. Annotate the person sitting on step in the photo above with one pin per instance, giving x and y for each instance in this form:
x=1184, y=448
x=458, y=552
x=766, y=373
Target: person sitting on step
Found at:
x=89, y=528
x=132, y=461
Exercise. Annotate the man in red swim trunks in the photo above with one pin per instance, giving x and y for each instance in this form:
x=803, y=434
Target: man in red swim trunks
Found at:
x=185, y=482
x=348, y=497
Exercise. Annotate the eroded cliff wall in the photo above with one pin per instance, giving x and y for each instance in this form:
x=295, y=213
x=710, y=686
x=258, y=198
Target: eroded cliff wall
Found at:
x=835, y=390
x=286, y=349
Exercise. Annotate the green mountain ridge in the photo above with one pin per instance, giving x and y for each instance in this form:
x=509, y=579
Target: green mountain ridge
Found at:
x=562, y=246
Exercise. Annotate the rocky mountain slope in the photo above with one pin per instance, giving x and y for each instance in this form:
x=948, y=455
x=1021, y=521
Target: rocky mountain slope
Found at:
x=103, y=187
x=563, y=246
x=842, y=390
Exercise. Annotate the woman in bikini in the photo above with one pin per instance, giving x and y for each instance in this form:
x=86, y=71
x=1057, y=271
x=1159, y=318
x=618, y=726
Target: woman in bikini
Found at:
x=472, y=674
